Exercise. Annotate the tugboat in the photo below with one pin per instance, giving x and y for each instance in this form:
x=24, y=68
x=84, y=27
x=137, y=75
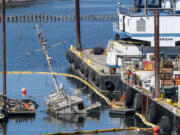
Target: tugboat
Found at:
x=59, y=102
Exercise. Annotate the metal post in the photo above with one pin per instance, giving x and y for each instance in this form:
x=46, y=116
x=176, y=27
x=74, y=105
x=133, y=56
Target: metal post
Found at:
x=145, y=7
x=142, y=57
x=135, y=6
x=156, y=52
x=178, y=96
x=160, y=3
x=78, y=36
x=4, y=46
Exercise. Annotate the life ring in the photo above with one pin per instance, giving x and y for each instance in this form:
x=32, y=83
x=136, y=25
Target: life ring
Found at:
x=128, y=97
x=109, y=85
x=97, y=80
x=152, y=113
x=137, y=102
x=86, y=71
x=165, y=124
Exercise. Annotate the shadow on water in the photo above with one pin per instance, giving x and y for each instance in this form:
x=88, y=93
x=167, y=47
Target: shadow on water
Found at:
x=16, y=120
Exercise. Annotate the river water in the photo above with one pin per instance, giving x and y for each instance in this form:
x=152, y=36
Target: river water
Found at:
x=21, y=38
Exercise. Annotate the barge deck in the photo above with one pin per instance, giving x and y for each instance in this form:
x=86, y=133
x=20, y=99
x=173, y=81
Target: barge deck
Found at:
x=89, y=67
x=93, y=69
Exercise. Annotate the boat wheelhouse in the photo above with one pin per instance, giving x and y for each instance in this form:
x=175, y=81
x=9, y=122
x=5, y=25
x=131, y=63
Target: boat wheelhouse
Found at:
x=135, y=28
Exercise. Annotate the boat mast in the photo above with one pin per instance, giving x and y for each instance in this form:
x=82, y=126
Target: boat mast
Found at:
x=43, y=43
x=4, y=46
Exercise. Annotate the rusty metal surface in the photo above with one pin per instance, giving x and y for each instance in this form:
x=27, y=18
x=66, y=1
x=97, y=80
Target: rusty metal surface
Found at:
x=4, y=45
x=156, y=51
x=78, y=34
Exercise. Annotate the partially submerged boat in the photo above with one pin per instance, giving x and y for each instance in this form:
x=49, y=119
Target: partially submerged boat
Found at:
x=68, y=104
x=59, y=102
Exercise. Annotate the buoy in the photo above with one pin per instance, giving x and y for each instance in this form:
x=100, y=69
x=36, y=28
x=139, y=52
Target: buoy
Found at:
x=89, y=62
x=156, y=129
x=71, y=47
x=23, y=92
x=80, y=54
x=156, y=133
x=169, y=101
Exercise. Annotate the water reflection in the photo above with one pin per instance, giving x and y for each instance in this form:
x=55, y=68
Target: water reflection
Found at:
x=3, y=128
x=17, y=120
x=71, y=120
x=22, y=119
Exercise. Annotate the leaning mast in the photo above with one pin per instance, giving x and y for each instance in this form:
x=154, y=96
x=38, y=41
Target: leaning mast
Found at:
x=43, y=43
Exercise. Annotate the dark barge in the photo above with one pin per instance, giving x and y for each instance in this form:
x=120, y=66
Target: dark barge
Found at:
x=135, y=40
x=92, y=68
x=157, y=111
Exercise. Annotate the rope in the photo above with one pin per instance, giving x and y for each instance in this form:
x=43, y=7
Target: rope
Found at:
x=100, y=131
x=122, y=98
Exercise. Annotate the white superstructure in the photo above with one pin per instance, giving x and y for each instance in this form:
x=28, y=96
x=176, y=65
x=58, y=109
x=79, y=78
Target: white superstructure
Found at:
x=135, y=31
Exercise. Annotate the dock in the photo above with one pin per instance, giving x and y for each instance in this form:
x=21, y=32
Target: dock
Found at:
x=89, y=67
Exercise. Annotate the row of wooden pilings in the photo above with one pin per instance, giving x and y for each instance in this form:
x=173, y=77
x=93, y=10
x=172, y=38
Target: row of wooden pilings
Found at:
x=58, y=18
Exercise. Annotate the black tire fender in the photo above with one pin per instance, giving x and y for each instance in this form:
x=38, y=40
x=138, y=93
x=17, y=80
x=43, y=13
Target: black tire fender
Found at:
x=128, y=97
x=76, y=65
x=67, y=54
x=98, y=50
x=165, y=124
x=93, y=75
x=109, y=85
x=138, y=102
x=82, y=68
x=97, y=80
x=86, y=71
x=152, y=113
x=70, y=57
